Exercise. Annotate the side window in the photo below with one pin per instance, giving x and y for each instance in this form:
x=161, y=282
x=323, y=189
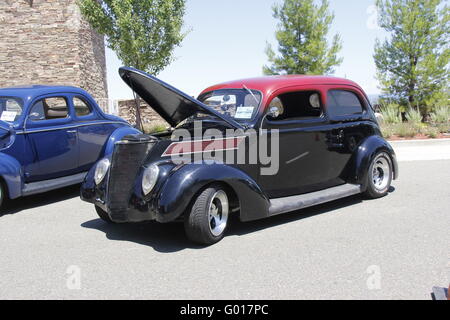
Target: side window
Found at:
x=343, y=103
x=49, y=108
x=297, y=106
x=81, y=107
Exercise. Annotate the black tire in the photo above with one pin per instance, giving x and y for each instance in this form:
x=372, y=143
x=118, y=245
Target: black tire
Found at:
x=2, y=196
x=210, y=206
x=379, y=176
x=103, y=215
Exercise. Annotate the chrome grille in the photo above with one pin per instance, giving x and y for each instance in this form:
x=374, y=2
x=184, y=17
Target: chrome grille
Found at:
x=128, y=157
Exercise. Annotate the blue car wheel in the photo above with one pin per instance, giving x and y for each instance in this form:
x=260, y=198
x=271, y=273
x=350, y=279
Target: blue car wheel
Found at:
x=2, y=195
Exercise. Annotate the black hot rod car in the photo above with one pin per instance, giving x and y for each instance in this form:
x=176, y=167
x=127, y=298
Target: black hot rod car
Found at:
x=255, y=148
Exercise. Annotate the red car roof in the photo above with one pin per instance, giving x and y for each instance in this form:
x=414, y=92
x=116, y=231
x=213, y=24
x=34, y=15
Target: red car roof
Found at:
x=269, y=84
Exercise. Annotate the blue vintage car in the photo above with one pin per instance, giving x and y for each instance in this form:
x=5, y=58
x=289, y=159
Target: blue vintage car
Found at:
x=50, y=136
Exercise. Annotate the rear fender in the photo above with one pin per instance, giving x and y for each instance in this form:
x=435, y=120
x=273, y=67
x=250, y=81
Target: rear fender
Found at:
x=362, y=158
x=184, y=184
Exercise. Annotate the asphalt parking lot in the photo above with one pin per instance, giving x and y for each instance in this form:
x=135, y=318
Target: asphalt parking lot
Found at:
x=398, y=247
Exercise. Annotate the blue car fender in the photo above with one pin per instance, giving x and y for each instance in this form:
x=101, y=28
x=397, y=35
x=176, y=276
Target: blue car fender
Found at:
x=11, y=175
x=117, y=135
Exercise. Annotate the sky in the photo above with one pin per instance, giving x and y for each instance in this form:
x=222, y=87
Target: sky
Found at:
x=227, y=41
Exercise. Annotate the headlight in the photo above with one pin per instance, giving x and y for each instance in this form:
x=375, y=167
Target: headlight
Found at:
x=101, y=170
x=149, y=178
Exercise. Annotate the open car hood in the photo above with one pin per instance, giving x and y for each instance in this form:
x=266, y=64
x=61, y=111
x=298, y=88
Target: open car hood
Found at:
x=170, y=103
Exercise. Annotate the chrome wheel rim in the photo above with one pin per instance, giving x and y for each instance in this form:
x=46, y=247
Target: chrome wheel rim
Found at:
x=218, y=213
x=381, y=173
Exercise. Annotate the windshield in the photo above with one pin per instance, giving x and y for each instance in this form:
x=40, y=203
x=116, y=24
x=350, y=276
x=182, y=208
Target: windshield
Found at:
x=10, y=108
x=239, y=104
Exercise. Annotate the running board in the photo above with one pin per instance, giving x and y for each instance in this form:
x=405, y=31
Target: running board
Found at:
x=48, y=185
x=287, y=204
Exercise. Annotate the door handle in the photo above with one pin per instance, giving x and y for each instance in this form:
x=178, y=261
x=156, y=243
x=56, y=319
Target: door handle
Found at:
x=71, y=131
x=339, y=136
x=336, y=141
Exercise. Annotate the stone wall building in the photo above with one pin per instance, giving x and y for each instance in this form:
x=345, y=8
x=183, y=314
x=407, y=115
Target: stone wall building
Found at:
x=48, y=42
x=127, y=111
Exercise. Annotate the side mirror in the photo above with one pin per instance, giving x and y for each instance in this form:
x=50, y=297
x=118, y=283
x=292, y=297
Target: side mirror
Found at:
x=273, y=113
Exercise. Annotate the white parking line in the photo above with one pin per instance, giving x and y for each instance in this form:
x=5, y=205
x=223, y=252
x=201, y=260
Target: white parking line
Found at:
x=420, y=150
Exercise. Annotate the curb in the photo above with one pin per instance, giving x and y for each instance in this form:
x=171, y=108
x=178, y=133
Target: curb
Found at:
x=420, y=142
x=422, y=150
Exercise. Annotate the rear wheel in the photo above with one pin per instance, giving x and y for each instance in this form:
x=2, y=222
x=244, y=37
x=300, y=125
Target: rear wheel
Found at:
x=207, y=220
x=2, y=195
x=103, y=214
x=379, y=177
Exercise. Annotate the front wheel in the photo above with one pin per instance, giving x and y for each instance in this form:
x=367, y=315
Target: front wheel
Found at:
x=379, y=177
x=103, y=215
x=208, y=218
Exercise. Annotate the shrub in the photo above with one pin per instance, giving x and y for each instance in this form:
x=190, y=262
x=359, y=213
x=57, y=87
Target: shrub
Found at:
x=414, y=116
x=441, y=114
x=443, y=127
x=406, y=130
x=432, y=132
x=391, y=113
x=387, y=131
x=155, y=127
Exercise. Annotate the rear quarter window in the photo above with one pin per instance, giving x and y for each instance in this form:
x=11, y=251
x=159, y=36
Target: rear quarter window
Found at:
x=342, y=103
x=82, y=108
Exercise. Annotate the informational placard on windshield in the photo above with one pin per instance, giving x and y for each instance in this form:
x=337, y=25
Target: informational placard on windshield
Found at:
x=244, y=112
x=8, y=116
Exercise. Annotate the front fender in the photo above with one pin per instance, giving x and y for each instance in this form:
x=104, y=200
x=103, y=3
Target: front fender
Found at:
x=11, y=173
x=361, y=159
x=117, y=135
x=184, y=184
x=7, y=135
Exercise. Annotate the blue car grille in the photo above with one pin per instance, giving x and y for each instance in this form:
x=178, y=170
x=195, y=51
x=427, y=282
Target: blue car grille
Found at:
x=128, y=157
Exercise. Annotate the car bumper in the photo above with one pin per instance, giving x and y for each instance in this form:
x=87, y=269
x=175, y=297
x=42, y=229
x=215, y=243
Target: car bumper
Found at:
x=136, y=207
x=137, y=211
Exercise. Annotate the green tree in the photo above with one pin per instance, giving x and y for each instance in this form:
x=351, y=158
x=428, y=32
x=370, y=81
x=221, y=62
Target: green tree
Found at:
x=302, y=39
x=413, y=62
x=143, y=33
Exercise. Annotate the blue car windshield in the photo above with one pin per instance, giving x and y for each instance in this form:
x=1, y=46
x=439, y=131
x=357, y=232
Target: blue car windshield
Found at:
x=10, y=109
